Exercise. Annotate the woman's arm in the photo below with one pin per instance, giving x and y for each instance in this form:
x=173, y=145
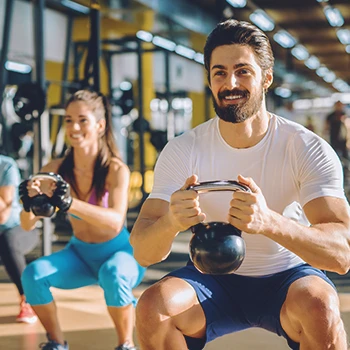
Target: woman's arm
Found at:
x=28, y=219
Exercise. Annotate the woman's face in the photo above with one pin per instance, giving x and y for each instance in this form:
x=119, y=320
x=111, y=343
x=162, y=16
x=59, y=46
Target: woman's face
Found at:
x=82, y=128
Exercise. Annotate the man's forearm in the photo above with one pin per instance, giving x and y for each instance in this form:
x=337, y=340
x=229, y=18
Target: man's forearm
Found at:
x=325, y=246
x=152, y=240
x=5, y=210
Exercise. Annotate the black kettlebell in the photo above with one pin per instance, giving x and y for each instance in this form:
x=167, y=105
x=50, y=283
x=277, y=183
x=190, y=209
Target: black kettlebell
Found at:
x=40, y=204
x=217, y=248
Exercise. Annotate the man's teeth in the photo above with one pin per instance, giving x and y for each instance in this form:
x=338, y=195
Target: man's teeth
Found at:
x=76, y=136
x=234, y=97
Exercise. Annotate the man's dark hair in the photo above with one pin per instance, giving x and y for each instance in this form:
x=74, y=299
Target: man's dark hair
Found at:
x=231, y=32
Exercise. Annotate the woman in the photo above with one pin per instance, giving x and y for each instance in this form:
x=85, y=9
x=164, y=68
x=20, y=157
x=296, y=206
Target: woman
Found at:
x=99, y=251
x=14, y=241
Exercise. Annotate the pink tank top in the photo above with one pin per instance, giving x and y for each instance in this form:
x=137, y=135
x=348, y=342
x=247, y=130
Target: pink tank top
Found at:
x=93, y=199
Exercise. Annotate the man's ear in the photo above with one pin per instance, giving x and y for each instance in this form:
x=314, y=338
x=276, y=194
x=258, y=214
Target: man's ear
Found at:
x=268, y=79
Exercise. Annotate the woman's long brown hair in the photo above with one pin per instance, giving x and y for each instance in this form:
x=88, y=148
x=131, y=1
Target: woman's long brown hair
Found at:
x=107, y=148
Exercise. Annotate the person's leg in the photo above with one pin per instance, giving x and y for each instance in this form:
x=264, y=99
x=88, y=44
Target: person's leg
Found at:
x=14, y=244
x=118, y=276
x=64, y=270
x=166, y=312
x=310, y=315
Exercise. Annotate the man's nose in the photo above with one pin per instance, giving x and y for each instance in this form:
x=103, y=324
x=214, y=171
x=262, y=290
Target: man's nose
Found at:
x=231, y=81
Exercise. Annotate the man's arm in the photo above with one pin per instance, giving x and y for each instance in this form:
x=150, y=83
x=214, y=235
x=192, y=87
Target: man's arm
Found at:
x=6, y=197
x=325, y=244
x=159, y=222
x=152, y=234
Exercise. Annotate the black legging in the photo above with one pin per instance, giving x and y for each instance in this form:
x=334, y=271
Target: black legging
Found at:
x=15, y=243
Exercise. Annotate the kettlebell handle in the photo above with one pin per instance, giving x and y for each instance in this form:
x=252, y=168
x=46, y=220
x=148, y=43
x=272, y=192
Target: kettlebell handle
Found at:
x=48, y=176
x=220, y=185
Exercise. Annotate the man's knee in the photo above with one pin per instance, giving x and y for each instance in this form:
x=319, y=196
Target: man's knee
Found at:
x=311, y=310
x=311, y=298
x=150, y=306
x=170, y=303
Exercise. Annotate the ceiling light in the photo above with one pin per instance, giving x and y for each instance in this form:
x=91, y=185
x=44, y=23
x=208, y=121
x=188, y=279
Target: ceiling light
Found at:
x=164, y=43
x=185, y=51
x=333, y=16
x=145, y=36
x=322, y=0
x=322, y=71
x=340, y=85
x=18, y=67
x=329, y=77
x=344, y=36
x=312, y=62
x=199, y=57
x=262, y=20
x=284, y=39
x=300, y=52
x=237, y=3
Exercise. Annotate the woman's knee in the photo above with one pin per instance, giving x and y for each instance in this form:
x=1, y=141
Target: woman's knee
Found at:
x=117, y=283
x=36, y=283
x=29, y=273
x=36, y=271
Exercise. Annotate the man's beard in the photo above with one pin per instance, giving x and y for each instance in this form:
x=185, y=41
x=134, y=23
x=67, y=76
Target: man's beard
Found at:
x=238, y=113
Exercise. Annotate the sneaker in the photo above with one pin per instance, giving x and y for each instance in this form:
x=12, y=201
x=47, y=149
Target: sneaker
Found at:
x=126, y=346
x=52, y=345
x=26, y=314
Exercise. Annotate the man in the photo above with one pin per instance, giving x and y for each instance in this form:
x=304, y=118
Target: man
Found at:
x=292, y=174
x=15, y=242
x=336, y=128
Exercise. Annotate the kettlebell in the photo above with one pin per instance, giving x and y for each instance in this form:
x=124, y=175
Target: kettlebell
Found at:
x=217, y=248
x=40, y=204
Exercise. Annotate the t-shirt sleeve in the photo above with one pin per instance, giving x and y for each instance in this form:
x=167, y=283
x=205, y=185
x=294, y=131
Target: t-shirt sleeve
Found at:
x=319, y=172
x=10, y=174
x=172, y=167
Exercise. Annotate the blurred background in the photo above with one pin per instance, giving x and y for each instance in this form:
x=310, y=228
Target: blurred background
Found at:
x=147, y=57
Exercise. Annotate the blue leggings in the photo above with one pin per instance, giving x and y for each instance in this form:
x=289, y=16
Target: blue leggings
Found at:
x=110, y=264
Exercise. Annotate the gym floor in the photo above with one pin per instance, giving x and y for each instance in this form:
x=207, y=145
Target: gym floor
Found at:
x=87, y=325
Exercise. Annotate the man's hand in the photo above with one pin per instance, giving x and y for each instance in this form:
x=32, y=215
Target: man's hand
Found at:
x=184, y=210
x=248, y=210
x=61, y=197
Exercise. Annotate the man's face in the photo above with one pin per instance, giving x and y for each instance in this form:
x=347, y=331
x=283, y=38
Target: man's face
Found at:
x=236, y=83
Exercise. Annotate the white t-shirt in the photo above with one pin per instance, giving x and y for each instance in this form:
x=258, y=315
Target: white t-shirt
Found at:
x=291, y=165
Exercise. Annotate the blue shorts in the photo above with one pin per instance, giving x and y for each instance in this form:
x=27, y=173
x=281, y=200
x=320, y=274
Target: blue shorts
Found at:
x=232, y=303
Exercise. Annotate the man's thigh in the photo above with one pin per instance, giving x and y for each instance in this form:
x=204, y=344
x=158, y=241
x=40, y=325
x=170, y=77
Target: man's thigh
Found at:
x=233, y=303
